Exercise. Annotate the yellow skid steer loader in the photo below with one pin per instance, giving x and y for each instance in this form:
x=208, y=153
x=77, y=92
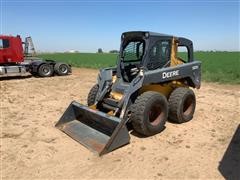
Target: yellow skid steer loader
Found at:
x=149, y=85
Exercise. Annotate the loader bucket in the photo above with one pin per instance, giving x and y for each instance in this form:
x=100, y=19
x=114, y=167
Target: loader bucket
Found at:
x=94, y=129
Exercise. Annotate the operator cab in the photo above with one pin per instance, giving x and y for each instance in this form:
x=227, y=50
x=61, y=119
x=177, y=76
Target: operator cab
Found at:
x=143, y=50
x=149, y=51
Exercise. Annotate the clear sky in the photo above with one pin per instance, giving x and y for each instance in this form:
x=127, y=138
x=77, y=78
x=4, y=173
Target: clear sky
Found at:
x=88, y=25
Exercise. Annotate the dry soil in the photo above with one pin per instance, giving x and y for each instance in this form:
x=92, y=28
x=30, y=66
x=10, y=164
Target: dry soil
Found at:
x=32, y=148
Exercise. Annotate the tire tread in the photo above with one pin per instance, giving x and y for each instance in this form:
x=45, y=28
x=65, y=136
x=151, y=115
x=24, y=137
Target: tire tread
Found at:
x=174, y=101
x=138, y=108
x=92, y=95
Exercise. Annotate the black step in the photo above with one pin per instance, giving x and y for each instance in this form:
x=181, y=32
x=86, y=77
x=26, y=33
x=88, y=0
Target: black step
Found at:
x=111, y=102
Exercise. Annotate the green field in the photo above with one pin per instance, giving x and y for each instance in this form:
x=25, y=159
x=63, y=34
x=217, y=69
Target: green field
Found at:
x=87, y=60
x=222, y=67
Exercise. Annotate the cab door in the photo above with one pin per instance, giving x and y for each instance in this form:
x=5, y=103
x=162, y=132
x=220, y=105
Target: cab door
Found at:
x=5, y=53
x=11, y=50
x=1, y=51
x=159, y=55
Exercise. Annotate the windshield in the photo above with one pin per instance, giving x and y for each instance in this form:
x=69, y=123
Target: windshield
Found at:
x=133, y=51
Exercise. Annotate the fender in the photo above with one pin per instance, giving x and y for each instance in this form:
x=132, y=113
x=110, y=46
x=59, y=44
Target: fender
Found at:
x=34, y=65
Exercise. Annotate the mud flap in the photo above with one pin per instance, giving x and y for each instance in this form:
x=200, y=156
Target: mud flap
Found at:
x=95, y=130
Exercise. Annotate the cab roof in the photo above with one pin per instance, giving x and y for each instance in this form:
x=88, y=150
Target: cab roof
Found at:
x=155, y=34
x=149, y=32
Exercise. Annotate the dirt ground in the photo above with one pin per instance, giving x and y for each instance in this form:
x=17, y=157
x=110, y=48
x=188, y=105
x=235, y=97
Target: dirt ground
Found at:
x=32, y=148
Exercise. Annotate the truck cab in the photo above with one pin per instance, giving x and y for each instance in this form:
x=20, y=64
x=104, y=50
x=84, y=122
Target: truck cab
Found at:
x=11, y=50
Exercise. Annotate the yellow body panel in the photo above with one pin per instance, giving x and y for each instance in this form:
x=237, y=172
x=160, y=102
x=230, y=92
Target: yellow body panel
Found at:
x=116, y=95
x=174, y=59
x=114, y=78
x=164, y=89
x=93, y=107
x=111, y=113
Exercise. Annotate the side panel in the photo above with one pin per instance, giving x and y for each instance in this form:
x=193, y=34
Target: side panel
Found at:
x=190, y=71
x=17, y=49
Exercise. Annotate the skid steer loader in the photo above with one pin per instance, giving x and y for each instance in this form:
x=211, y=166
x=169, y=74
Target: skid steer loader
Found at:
x=149, y=85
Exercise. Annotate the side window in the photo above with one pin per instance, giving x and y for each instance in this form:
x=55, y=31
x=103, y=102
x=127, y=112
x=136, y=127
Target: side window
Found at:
x=165, y=51
x=4, y=43
x=182, y=53
x=159, y=55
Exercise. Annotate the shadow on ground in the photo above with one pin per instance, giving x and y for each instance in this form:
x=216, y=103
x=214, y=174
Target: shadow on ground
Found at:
x=229, y=166
x=14, y=77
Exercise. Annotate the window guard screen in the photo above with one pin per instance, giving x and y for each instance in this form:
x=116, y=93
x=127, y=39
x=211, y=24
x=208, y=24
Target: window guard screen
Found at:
x=133, y=51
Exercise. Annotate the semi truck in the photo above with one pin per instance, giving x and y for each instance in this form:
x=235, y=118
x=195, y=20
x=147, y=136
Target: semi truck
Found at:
x=18, y=58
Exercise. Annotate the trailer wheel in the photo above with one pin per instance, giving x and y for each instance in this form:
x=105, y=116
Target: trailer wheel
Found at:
x=182, y=103
x=92, y=95
x=61, y=69
x=149, y=113
x=45, y=70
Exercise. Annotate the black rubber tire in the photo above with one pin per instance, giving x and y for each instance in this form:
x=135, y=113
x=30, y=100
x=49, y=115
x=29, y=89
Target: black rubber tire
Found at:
x=92, y=95
x=149, y=113
x=45, y=70
x=182, y=103
x=61, y=69
x=34, y=74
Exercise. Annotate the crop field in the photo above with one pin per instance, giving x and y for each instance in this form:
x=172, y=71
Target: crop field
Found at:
x=222, y=67
x=87, y=60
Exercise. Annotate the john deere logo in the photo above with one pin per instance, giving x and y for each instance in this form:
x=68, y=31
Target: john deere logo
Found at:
x=170, y=74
